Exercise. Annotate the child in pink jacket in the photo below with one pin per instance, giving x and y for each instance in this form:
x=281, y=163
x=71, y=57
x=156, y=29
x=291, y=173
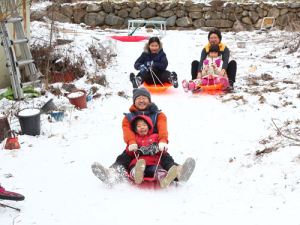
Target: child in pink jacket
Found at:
x=212, y=66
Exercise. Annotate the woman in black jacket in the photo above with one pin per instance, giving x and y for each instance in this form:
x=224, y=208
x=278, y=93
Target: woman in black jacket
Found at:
x=228, y=68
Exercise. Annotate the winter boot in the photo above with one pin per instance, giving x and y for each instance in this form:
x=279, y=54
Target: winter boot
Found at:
x=133, y=80
x=137, y=173
x=224, y=82
x=101, y=172
x=165, y=178
x=231, y=87
x=174, y=79
x=185, y=86
x=185, y=171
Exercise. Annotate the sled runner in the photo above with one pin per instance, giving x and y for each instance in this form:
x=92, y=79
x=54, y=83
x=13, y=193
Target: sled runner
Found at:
x=8, y=195
x=129, y=38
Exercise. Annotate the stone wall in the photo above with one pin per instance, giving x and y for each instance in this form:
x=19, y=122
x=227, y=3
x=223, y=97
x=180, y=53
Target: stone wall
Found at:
x=187, y=15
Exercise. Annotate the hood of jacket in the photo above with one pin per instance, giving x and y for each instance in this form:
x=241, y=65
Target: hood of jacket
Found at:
x=147, y=49
x=148, y=121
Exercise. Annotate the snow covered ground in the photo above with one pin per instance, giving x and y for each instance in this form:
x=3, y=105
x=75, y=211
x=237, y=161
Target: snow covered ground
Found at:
x=231, y=184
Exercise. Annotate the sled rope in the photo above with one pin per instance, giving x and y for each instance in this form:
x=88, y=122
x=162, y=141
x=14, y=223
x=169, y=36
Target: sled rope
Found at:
x=157, y=164
x=153, y=74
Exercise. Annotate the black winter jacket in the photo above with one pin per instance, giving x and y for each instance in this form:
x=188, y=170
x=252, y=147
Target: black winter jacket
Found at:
x=159, y=59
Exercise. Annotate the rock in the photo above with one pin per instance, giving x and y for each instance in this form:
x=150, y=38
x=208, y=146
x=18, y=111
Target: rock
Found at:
x=274, y=12
x=113, y=20
x=95, y=19
x=253, y=16
x=93, y=8
x=184, y=22
x=60, y=17
x=295, y=5
x=247, y=20
x=195, y=15
x=283, y=20
x=180, y=13
x=37, y=15
x=79, y=16
x=194, y=8
x=148, y=13
x=155, y=19
x=166, y=14
x=131, y=4
x=199, y=23
x=152, y=5
x=143, y=5
x=171, y=21
x=67, y=10
x=123, y=13
x=107, y=7
x=219, y=23
x=134, y=12
x=239, y=26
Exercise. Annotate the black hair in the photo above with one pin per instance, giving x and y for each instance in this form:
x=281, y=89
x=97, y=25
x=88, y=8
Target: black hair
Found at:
x=140, y=119
x=214, y=48
x=154, y=39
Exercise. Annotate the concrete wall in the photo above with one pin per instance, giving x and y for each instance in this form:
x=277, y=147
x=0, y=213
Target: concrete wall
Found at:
x=25, y=13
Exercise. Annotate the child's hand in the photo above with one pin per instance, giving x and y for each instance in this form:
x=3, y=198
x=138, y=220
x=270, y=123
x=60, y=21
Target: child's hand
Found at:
x=133, y=147
x=222, y=72
x=143, y=69
x=162, y=146
x=149, y=64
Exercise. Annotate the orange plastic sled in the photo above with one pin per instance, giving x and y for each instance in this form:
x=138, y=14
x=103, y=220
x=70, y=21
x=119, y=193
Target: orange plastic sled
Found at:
x=129, y=38
x=158, y=88
x=212, y=87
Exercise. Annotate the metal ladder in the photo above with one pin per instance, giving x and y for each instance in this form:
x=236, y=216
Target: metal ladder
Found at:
x=9, y=46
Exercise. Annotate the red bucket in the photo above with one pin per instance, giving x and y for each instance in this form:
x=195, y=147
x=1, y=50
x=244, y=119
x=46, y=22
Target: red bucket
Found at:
x=78, y=100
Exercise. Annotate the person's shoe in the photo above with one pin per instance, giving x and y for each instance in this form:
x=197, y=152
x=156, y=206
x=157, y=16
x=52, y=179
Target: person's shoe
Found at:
x=174, y=79
x=231, y=87
x=169, y=176
x=224, y=82
x=185, y=171
x=185, y=86
x=101, y=172
x=133, y=80
x=138, y=80
x=138, y=171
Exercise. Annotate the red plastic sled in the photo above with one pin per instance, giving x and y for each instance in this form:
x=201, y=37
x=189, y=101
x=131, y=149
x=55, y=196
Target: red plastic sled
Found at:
x=129, y=38
x=158, y=88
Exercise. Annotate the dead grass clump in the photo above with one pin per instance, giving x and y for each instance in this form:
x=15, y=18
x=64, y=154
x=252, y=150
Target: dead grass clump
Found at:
x=235, y=98
x=55, y=91
x=288, y=82
x=266, y=90
x=270, y=57
x=94, y=89
x=266, y=77
x=262, y=100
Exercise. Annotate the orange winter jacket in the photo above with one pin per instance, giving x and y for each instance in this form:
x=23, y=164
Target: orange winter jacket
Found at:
x=129, y=135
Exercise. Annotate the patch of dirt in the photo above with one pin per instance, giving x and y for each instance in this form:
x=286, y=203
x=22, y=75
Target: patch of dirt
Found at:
x=235, y=98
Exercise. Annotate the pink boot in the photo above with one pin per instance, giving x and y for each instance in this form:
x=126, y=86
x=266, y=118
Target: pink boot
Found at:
x=185, y=86
x=191, y=85
x=224, y=81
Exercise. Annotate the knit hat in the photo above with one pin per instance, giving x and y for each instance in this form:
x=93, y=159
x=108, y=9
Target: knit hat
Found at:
x=215, y=31
x=141, y=91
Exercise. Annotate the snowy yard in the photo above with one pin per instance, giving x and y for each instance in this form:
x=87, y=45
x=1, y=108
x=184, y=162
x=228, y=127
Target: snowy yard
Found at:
x=232, y=183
